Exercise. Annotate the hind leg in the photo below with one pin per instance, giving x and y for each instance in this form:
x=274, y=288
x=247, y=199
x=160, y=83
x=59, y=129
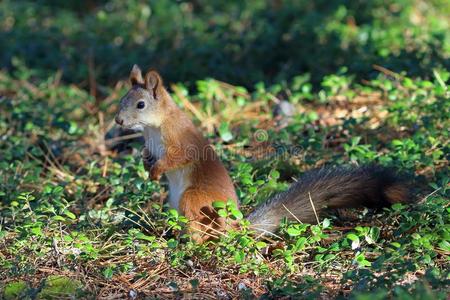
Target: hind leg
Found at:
x=204, y=222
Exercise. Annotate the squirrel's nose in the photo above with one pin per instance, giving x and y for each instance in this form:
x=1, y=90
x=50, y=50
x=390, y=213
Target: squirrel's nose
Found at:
x=119, y=121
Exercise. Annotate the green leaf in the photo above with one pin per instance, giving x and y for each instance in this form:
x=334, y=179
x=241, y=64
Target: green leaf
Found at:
x=108, y=273
x=352, y=237
x=59, y=218
x=172, y=243
x=260, y=245
x=237, y=214
x=244, y=241
x=444, y=245
x=361, y=260
x=274, y=174
x=293, y=231
x=70, y=214
x=222, y=213
x=397, y=206
x=219, y=204
x=239, y=256
x=141, y=236
x=173, y=213
x=355, y=240
x=301, y=242
x=396, y=245
x=374, y=234
x=225, y=132
x=36, y=231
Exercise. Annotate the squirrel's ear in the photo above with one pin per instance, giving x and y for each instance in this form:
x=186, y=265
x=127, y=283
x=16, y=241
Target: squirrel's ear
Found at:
x=154, y=83
x=136, y=75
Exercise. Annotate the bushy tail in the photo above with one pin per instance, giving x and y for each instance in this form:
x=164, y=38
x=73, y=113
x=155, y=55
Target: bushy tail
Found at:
x=370, y=186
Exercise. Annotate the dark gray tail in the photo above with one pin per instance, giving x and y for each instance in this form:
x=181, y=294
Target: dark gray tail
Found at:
x=370, y=186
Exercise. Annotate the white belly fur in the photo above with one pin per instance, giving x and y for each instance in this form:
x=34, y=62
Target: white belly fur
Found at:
x=179, y=178
x=153, y=141
x=178, y=183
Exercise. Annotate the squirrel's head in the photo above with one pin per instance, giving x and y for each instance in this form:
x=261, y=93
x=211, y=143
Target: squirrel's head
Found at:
x=143, y=103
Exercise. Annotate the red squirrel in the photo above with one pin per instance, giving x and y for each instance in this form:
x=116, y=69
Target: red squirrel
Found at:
x=197, y=177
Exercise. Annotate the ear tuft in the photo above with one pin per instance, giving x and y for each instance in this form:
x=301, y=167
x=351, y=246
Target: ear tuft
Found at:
x=136, y=75
x=153, y=82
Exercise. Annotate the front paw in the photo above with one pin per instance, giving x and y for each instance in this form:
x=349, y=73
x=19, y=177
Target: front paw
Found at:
x=156, y=171
x=149, y=163
x=148, y=159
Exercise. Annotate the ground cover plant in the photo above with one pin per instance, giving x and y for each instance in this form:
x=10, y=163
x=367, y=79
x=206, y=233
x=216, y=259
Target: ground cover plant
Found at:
x=344, y=84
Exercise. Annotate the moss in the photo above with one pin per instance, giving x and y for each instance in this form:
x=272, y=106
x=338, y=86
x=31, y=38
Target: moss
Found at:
x=15, y=290
x=57, y=286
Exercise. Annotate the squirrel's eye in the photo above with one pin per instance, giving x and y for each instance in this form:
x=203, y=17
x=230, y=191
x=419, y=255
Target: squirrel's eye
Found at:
x=140, y=105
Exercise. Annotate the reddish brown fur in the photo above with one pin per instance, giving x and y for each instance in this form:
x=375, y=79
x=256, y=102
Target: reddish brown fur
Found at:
x=209, y=179
x=397, y=193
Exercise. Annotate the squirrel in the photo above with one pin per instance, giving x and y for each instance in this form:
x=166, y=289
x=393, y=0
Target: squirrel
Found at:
x=197, y=177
